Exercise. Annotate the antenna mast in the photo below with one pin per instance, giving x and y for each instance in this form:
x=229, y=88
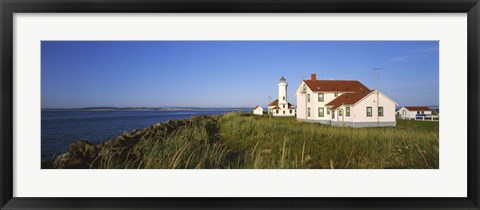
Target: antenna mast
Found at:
x=268, y=109
x=302, y=77
x=378, y=71
x=304, y=92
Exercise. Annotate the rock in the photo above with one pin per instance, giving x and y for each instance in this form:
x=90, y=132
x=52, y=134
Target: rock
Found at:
x=83, y=148
x=61, y=160
x=84, y=154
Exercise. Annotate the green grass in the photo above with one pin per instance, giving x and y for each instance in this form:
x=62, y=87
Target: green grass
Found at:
x=287, y=143
x=244, y=141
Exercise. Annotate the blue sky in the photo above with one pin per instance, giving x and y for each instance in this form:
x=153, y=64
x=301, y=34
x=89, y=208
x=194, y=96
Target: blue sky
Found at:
x=227, y=73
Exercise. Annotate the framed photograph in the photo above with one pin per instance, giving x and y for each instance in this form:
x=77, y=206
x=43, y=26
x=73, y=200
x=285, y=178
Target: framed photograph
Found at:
x=239, y=105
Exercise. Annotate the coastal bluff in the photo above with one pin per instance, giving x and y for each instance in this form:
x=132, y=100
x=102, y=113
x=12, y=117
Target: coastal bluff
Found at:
x=126, y=148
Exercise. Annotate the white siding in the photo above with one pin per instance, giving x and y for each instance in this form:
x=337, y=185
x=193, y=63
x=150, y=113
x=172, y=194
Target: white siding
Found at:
x=359, y=112
x=282, y=93
x=314, y=104
x=410, y=114
x=402, y=112
x=301, y=108
x=283, y=112
x=344, y=117
x=258, y=111
x=406, y=114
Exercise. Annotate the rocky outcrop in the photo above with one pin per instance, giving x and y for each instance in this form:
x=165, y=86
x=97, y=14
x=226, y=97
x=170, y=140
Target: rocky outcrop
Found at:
x=83, y=154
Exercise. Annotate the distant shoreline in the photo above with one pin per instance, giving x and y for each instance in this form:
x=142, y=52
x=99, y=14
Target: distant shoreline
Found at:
x=138, y=109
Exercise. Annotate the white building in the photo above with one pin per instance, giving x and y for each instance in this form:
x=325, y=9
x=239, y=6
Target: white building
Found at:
x=258, y=110
x=281, y=107
x=343, y=103
x=411, y=112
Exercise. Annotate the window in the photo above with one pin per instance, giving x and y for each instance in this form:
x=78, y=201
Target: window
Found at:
x=328, y=110
x=308, y=114
x=347, y=111
x=283, y=111
x=284, y=106
x=418, y=112
x=423, y=112
x=308, y=97
x=340, y=112
x=283, y=97
x=320, y=112
x=335, y=94
x=277, y=111
x=380, y=111
x=290, y=111
x=320, y=97
x=369, y=111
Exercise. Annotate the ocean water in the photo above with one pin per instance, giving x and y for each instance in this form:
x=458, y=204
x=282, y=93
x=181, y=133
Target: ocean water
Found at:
x=60, y=128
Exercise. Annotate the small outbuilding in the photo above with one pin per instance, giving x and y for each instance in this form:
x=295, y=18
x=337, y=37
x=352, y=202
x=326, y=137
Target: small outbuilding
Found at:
x=258, y=110
x=412, y=112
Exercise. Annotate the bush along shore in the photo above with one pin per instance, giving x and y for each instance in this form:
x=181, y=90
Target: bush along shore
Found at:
x=243, y=141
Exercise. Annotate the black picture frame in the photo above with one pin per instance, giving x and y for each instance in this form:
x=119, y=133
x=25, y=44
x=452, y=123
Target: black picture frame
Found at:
x=9, y=7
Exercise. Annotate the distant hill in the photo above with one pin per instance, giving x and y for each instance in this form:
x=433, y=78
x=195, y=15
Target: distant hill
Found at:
x=138, y=108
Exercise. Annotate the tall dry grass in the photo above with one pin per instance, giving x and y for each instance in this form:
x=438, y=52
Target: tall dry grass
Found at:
x=196, y=146
x=287, y=143
x=244, y=141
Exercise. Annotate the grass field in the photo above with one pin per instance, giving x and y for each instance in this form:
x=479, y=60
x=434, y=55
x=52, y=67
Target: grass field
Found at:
x=244, y=141
x=287, y=143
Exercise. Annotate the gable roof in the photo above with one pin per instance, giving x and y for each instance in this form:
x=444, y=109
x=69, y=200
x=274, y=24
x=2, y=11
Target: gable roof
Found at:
x=336, y=85
x=417, y=108
x=275, y=104
x=257, y=107
x=348, y=99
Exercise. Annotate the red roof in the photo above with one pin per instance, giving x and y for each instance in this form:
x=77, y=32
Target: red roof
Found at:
x=336, y=85
x=418, y=108
x=348, y=99
x=275, y=103
x=256, y=107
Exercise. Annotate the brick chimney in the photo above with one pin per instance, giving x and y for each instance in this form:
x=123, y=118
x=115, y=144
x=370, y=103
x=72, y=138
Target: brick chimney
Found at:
x=314, y=77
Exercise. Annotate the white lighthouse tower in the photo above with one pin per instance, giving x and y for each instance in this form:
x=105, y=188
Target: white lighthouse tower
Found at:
x=282, y=91
x=281, y=107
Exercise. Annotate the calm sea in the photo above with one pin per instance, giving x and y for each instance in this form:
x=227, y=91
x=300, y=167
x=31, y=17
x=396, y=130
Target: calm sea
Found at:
x=60, y=128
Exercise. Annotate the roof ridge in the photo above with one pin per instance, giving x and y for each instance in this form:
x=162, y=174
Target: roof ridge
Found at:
x=336, y=85
x=344, y=99
x=347, y=80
